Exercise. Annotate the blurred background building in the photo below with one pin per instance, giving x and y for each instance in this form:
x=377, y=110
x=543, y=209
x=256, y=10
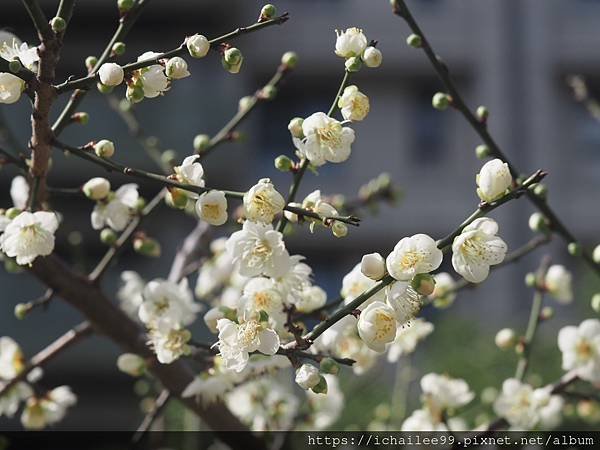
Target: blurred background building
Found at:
x=511, y=56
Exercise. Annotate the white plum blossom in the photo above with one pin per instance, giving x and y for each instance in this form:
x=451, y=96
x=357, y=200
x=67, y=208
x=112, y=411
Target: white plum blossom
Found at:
x=295, y=280
x=130, y=293
x=19, y=192
x=208, y=389
x=190, y=172
x=377, y=326
x=373, y=266
x=12, y=361
x=558, y=283
x=11, y=400
x=153, y=79
x=404, y=300
x=524, y=408
x=177, y=68
x=29, y=235
x=262, y=202
x=164, y=299
x=39, y=412
x=214, y=273
x=12, y=48
x=493, y=180
x=307, y=376
x=351, y=42
x=169, y=340
x=211, y=318
x=353, y=104
x=413, y=255
x=477, y=248
x=11, y=87
x=236, y=341
x=197, y=45
x=111, y=74
x=407, y=338
x=580, y=347
x=325, y=139
x=441, y=392
x=443, y=294
x=372, y=57
x=422, y=420
x=355, y=283
x=259, y=249
x=310, y=299
x=212, y=207
x=260, y=294
x=117, y=209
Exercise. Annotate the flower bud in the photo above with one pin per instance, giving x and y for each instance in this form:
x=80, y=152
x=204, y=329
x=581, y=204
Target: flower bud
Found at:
x=232, y=68
x=353, y=64
x=505, y=338
x=197, y=46
x=489, y=395
x=111, y=74
x=538, y=222
x=295, y=128
x=283, y=163
x=169, y=157
x=177, y=198
x=339, y=229
x=96, y=188
x=90, y=63
x=118, y=48
x=268, y=92
x=58, y=24
x=177, y=68
x=423, y=283
x=290, y=60
x=482, y=151
x=547, y=313
x=81, y=117
x=530, y=280
x=201, y=142
x=232, y=56
x=131, y=364
x=134, y=94
x=482, y=113
x=108, y=237
x=21, y=310
x=541, y=190
x=211, y=318
x=440, y=101
x=146, y=246
x=574, y=248
x=307, y=376
x=15, y=66
x=267, y=12
x=141, y=204
x=493, y=180
x=12, y=213
x=104, y=148
x=596, y=303
x=372, y=57
x=328, y=365
x=373, y=266
x=104, y=89
x=125, y=5
x=414, y=40
x=246, y=103
x=596, y=254
x=321, y=388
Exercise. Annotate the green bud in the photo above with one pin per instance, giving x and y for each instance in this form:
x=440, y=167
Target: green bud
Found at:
x=482, y=113
x=339, y=229
x=147, y=247
x=440, y=101
x=596, y=303
x=15, y=66
x=232, y=56
x=246, y=102
x=482, y=151
x=530, y=280
x=12, y=213
x=547, y=313
x=90, y=63
x=103, y=89
x=423, y=283
x=81, y=117
x=169, y=157
x=177, y=198
x=267, y=12
x=125, y=5
x=541, y=190
x=134, y=94
x=290, y=60
x=58, y=24
x=21, y=310
x=321, y=387
x=538, y=223
x=574, y=249
x=283, y=163
x=328, y=365
x=414, y=40
x=118, y=48
x=141, y=204
x=353, y=64
x=268, y=92
x=201, y=142
x=108, y=237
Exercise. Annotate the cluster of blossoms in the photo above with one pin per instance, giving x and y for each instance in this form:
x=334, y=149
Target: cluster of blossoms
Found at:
x=40, y=410
x=19, y=55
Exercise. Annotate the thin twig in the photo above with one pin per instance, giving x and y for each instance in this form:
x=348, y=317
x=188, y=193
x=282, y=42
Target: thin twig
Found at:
x=159, y=405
